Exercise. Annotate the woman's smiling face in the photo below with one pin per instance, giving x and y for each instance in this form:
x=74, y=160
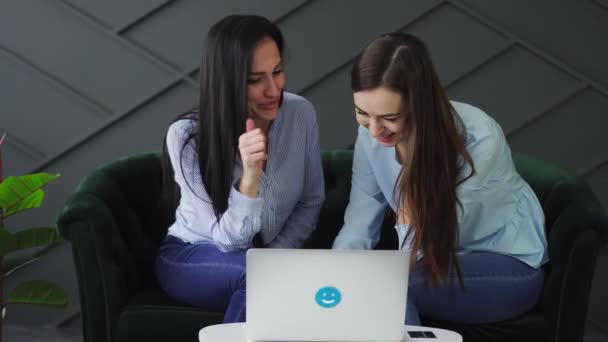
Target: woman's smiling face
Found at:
x=382, y=111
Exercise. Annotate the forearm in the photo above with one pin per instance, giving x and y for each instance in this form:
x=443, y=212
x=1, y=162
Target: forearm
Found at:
x=238, y=225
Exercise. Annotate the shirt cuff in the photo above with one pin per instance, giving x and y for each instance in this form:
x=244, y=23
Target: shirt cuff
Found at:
x=246, y=205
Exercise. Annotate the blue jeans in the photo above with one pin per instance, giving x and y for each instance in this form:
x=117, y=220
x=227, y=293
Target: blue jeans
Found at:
x=496, y=287
x=203, y=276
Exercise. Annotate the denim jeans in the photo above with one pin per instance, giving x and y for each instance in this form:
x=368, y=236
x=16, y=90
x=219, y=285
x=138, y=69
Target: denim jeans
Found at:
x=496, y=287
x=203, y=276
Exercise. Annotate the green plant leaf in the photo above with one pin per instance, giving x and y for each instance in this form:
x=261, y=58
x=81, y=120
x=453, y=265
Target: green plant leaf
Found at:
x=39, y=292
x=8, y=242
x=28, y=238
x=12, y=262
x=18, y=193
x=35, y=237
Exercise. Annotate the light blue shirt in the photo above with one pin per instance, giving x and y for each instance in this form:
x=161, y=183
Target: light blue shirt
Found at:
x=498, y=211
x=291, y=190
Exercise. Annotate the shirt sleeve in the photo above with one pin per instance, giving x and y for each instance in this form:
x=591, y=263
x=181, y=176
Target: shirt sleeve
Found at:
x=482, y=191
x=365, y=211
x=303, y=219
x=491, y=157
x=238, y=224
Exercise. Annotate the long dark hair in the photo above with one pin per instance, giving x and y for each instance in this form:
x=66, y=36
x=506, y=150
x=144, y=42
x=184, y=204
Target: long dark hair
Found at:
x=222, y=111
x=436, y=149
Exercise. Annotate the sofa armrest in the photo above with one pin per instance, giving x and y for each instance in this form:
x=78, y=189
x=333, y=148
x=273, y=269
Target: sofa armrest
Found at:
x=575, y=239
x=103, y=273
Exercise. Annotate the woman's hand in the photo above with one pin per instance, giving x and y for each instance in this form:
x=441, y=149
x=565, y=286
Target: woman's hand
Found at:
x=252, y=145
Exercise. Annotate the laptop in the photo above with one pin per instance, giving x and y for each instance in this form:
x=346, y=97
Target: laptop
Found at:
x=326, y=295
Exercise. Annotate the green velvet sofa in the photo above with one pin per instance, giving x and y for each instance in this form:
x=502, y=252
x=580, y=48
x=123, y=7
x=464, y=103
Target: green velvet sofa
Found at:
x=116, y=220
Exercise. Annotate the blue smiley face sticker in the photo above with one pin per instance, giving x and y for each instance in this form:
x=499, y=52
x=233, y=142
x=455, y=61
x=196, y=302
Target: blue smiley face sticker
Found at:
x=328, y=297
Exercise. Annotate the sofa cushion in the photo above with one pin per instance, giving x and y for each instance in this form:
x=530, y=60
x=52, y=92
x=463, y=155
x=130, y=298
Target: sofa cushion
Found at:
x=152, y=316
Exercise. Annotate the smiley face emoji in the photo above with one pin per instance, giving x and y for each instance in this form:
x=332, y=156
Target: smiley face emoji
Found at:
x=328, y=297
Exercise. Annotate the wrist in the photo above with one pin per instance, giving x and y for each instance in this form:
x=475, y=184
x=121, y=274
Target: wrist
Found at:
x=249, y=187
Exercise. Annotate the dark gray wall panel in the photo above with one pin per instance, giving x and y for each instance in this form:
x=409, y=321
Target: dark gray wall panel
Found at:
x=333, y=101
x=14, y=158
x=176, y=34
x=116, y=13
x=443, y=31
x=37, y=111
x=572, y=30
x=140, y=131
x=75, y=52
x=572, y=134
x=514, y=87
x=321, y=36
x=196, y=75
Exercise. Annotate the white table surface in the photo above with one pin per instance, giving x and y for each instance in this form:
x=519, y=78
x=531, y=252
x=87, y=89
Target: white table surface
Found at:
x=235, y=332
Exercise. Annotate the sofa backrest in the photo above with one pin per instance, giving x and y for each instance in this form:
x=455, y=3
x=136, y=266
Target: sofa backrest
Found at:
x=131, y=188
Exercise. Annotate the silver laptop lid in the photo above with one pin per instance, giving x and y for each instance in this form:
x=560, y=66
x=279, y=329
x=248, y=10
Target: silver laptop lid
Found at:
x=326, y=295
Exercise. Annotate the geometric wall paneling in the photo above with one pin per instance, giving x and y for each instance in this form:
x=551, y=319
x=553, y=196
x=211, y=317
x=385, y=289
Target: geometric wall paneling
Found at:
x=126, y=137
x=73, y=50
x=117, y=14
x=175, y=35
x=141, y=130
x=333, y=101
x=315, y=51
x=458, y=43
x=514, y=87
x=572, y=31
x=116, y=119
x=573, y=134
x=43, y=113
x=16, y=155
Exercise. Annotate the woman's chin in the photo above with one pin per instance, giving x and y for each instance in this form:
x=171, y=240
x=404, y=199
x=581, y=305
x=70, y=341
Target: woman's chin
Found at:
x=268, y=114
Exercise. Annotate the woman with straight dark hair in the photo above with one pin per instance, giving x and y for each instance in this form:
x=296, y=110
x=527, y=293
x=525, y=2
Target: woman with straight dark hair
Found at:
x=246, y=164
x=474, y=227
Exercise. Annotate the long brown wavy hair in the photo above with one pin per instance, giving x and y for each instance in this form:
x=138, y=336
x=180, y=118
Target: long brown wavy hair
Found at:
x=436, y=149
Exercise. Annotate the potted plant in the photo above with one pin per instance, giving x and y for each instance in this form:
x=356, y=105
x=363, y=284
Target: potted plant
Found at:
x=17, y=194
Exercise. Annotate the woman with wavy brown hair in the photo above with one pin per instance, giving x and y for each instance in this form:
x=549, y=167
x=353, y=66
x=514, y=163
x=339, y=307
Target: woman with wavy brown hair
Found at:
x=474, y=227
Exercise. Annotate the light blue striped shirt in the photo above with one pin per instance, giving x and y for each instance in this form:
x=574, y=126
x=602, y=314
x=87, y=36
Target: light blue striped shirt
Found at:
x=498, y=211
x=291, y=191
